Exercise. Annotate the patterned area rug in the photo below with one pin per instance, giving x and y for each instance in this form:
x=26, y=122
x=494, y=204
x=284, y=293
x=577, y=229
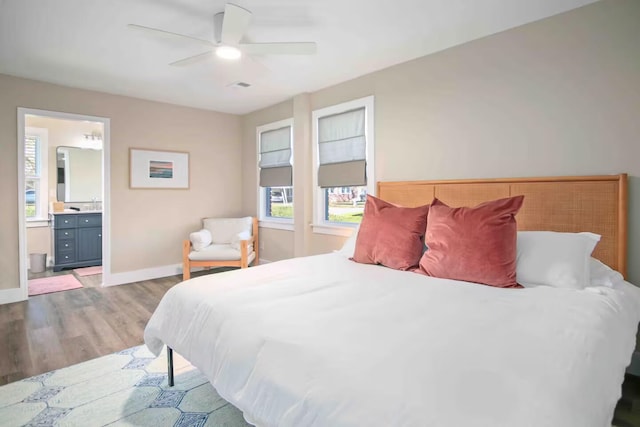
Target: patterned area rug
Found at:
x=47, y=285
x=128, y=388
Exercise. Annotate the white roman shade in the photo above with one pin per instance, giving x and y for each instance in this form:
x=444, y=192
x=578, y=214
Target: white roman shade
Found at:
x=275, y=158
x=342, y=148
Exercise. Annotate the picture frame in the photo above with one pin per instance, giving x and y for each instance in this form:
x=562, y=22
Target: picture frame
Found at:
x=156, y=169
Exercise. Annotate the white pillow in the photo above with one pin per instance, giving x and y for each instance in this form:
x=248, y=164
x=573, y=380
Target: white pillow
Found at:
x=235, y=240
x=200, y=239
x=603, y=275
x=555, y=259
x=349, y=246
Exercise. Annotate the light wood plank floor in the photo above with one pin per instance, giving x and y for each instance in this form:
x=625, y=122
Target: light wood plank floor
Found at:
x=56, y=330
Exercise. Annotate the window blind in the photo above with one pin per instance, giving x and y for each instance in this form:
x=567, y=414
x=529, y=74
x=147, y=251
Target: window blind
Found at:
x=275, y=158
x=31, y=167
x=342, y=149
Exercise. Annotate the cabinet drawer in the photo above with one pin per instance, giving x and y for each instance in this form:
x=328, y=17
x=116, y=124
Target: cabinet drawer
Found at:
x=65, y=257
x=65, y=245
x=66, y=221
x=89, y=220
x=65, y=234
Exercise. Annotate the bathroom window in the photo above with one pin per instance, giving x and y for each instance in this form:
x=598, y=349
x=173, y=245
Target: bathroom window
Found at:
x=35, y=172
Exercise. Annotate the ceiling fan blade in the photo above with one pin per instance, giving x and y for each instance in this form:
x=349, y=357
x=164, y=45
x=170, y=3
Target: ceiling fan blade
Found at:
x=164, y=33
x=193, y=59
x=294, y=48
x=235, y=23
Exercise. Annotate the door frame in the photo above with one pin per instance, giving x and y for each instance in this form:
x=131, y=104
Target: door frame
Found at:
x=106, y=192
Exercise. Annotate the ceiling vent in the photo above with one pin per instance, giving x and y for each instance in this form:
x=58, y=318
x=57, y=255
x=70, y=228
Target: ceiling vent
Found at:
x=240, y=84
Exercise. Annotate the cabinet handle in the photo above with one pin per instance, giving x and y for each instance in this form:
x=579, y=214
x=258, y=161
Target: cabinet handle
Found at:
x=66, y=257
x=66, y=221
x=66, y=245
x=99, y=235
x=86, y=220
x=66, y=234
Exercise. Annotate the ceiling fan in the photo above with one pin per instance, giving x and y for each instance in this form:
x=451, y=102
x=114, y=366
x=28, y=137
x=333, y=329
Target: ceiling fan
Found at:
x=229, y=29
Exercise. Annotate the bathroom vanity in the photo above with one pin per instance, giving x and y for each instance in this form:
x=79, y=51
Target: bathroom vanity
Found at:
x=77, y=239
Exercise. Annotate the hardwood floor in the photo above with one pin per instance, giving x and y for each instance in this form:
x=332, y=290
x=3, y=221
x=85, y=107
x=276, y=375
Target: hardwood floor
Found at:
x=56, y=330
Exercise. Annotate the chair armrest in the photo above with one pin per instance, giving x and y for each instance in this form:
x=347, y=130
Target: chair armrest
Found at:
x=244, y=244
x=186, y=247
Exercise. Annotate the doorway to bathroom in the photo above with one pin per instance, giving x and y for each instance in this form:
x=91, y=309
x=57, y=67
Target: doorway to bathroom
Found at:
x=63, y=201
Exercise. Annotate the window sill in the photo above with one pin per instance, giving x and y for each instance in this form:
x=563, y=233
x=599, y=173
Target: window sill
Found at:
x=37, y=222
x=278, y=225
x=335, y=230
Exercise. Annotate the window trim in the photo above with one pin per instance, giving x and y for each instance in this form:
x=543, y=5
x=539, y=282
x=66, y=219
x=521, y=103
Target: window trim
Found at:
x=265, y=221
x=320, y=225
x=42, y=214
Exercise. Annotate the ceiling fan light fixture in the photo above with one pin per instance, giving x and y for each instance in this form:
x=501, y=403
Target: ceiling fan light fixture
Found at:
x=228, y=52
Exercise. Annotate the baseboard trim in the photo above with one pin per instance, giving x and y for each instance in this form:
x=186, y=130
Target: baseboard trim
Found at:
x=115, y=279
x=7, y=296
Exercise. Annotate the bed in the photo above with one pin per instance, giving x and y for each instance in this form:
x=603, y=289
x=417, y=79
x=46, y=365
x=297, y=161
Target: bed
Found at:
x=325, y=341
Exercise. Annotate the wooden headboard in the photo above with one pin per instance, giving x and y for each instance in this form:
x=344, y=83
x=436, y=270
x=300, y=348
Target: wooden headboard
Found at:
x=571, y=204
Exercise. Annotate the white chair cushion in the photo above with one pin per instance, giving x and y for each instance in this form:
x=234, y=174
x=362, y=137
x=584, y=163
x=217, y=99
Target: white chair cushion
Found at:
x=200, y=239
x=218, y=252
x=224, y=229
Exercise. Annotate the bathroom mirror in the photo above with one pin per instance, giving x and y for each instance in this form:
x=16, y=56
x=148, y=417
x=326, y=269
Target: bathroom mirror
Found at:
x=78, y=174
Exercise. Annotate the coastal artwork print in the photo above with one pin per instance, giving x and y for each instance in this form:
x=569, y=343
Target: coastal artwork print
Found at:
x=159, y=169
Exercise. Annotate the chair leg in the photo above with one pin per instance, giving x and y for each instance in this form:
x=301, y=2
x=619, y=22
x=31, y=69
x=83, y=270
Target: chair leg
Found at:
x=186, y=267
x=256, y=243
x=244, y=254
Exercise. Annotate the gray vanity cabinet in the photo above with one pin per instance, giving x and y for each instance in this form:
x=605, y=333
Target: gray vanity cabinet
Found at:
x=77, y=240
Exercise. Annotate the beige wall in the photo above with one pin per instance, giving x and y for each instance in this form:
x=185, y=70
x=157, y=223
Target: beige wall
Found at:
x=278, y=244
x=39, y=241
x=147, y=226
x=559, y=96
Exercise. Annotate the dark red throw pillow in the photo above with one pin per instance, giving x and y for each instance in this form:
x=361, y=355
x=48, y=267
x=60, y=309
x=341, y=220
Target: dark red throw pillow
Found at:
x=473, y=244
x=391, y=235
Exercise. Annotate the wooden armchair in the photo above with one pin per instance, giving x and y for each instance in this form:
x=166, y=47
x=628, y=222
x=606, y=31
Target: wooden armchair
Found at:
x=222, y=242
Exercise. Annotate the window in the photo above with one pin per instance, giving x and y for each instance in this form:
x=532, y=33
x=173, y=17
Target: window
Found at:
x=276, y=174
x=35, y=172
x=343, y=157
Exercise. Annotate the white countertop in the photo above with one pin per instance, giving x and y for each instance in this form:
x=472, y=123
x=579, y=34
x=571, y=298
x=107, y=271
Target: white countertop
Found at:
x=72, y=212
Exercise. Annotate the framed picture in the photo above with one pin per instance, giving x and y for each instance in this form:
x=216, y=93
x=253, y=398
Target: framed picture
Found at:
x=158, y=169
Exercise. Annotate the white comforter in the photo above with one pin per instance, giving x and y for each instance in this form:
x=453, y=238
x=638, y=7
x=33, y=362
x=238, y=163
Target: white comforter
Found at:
x=323, y=341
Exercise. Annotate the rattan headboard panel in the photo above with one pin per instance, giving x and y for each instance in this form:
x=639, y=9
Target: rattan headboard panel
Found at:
x=583, y=203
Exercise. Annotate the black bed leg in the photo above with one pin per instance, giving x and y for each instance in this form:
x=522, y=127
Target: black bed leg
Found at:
x=170, y=365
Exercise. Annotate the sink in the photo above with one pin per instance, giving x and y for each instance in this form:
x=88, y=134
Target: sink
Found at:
x=72, y=211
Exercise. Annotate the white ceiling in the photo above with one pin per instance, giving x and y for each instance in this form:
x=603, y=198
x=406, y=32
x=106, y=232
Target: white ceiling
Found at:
x=86, y=43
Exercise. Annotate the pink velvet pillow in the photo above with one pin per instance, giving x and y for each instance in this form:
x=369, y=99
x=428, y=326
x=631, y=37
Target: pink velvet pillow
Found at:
x=391, y=235
x=473, y=244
